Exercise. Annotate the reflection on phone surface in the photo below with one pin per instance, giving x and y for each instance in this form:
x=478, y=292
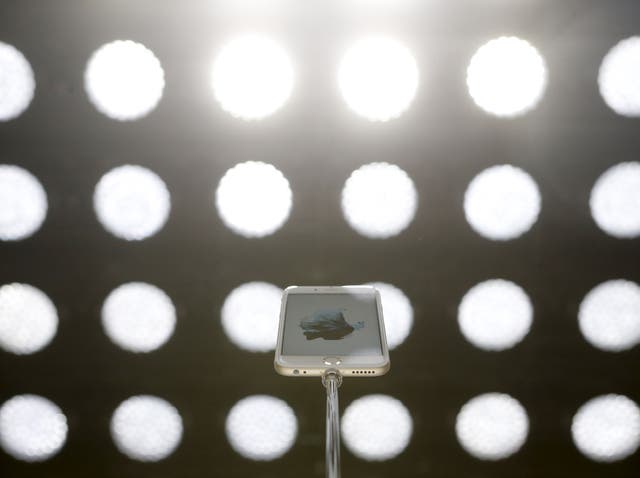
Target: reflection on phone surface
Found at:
x=331, y=324
x=328, y=324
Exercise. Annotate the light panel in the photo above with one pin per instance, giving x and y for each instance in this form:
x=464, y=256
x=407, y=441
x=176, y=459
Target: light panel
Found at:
x=261, y=427
x=23, y=203
x=379, y=200
x=609, y=315
x=124, y=80
x=397, y=312
x=376, y=427
x=28, y=319
x=607, y=428
x=615, y=201
x=378, y=78
x=619, y=77
x=495, y=315
x=146, y=428
x=17, y=83
x=253, y=199
x=250, y=316
x=32, y=428
x=502, y=203
x=252, y=77
x=507, y=77
x=132, y=202
x=138, y=317
x=492, y=426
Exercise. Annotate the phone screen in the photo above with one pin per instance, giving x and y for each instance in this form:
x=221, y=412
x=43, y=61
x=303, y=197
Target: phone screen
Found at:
x=331, y=324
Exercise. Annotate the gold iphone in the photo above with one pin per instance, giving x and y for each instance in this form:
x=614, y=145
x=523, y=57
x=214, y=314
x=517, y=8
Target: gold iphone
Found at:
x=331, y=327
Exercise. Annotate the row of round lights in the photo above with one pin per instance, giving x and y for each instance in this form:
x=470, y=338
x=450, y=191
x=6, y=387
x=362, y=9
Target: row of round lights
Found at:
x=491, y=426
x=140, y=317
x=493, y=315
x=379, y=201
x=253, y=76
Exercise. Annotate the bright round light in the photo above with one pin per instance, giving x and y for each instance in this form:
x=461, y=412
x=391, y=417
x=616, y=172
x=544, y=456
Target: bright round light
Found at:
x=32, y=428
x=17, y=83
x=615, y=200
x=492, y=426
x=250, y=316
x=495, y=315
x=23, y=203
x=124, y=80
x=507, y=77
x=378, y=78
x=619, y=77
x=376, y=427
x=138, y=317
x=609, y=315
x=607, y=428
x=379, y=200
x=146, y=428
x=254, y=199
x=252, y=77
x=28, y=319
x=397, y=312
x=261, y=427
x=132, y=202
x=502, y=202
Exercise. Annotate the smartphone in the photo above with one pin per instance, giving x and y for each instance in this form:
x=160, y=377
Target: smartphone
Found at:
x=339, y=327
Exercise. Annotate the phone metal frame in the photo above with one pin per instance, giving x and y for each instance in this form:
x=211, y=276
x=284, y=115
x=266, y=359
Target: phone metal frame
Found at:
x=315, y=366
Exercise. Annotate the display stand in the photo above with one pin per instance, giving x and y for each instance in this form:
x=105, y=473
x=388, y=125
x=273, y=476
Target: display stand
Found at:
x=332, y=381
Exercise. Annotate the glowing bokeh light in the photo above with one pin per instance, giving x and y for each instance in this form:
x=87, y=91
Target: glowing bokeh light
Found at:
x=502, y=202
x=261, y=427
x=253, y=199
x=507, y=77
x=495, y=315
x=378, y=78
x=609, y=315
x=23, y=203
x=615, y=200
x=397, y=312
x=17, y=83
x=32, y=428
x=28, y=319
x=146, y=428
x=607, y=428
x=250, y=316
x=492, y=426
x=619, y=77
x=252, y=77
x=376, y=427
x=124, y=80
x=138, y=317
x=132, y=202
x=379, y=200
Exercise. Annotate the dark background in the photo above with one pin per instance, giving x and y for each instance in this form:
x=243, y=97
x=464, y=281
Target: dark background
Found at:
x=442, y=142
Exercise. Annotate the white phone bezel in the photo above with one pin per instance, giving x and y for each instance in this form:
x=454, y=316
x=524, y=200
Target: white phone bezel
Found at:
x=306, y=365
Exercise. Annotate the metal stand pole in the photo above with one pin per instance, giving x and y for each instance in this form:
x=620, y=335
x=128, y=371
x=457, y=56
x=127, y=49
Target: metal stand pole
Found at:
x=332, y=381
